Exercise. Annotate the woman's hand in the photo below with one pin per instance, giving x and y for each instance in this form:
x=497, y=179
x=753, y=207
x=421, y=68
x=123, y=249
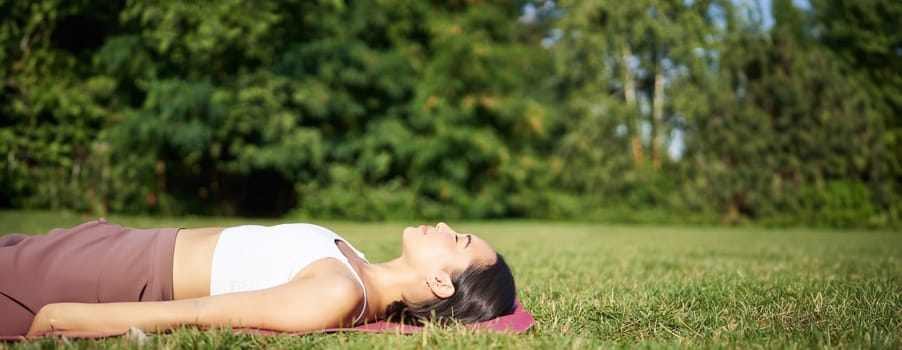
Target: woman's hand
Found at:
x=76, y=319
x=80, y=319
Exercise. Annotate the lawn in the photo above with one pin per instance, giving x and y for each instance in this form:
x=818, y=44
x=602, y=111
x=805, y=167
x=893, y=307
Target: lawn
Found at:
x=603, y=286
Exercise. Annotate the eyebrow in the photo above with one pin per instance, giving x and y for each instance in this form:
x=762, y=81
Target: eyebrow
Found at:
x=469, y=239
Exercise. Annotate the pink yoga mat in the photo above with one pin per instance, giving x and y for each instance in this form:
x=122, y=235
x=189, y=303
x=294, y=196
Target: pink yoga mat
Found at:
x=518, y=321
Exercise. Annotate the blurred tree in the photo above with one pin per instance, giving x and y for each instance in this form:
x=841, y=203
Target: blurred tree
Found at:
x=50, y=110
x=866, y=38
x=206, y=126
x=784, y=124
x=456, y=128
x=360, y=109
x=619, y=64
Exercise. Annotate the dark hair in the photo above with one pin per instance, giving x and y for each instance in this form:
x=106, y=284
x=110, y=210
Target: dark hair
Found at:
x=480, y=293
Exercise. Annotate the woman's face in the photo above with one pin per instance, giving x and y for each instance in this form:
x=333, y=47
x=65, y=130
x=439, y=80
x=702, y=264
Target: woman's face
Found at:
x=441, y=247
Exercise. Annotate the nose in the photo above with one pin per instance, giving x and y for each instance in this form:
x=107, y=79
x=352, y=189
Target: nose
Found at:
x=441, y=226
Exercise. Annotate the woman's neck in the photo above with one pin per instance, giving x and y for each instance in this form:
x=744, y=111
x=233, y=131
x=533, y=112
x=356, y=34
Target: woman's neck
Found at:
x=387, y=283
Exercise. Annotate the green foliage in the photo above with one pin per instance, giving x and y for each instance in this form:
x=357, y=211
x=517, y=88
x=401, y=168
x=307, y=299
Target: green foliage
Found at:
x=837, y=204
x=865, y=38
x=632, y=73
x=784, y=119
x=50, y=113
x=490, y=109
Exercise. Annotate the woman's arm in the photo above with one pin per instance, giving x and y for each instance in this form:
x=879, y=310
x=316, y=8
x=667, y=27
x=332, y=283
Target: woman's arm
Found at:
x=112, y=318
x=304, y=305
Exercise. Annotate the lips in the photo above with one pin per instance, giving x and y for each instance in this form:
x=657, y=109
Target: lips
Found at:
x=424, y=228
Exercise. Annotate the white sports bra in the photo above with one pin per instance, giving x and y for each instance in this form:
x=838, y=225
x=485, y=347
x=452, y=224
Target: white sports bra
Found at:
x=253, y=257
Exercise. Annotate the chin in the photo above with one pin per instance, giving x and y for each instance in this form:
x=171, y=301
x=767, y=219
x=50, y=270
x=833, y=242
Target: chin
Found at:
x=408, y=233
x=409, y=238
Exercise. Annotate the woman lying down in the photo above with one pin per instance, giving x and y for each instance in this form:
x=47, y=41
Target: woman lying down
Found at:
x=104, y=278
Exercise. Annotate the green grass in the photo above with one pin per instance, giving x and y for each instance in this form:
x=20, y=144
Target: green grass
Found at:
x=598, y=286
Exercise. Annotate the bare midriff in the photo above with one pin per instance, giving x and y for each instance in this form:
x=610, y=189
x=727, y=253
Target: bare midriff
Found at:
x=192, y=262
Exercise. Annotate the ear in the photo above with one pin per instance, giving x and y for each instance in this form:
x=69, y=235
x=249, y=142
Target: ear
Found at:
x=439, y=283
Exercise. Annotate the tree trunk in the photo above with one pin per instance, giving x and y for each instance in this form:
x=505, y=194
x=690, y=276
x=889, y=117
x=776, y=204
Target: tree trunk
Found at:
x=629, y=94
x=657, y=117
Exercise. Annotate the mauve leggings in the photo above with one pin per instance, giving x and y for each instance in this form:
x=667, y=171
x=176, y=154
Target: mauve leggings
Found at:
x=95, y=262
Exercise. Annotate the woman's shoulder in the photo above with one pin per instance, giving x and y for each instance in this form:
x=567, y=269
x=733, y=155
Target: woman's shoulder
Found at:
x=331, y=271
x=331, y=281
x=338, y=283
